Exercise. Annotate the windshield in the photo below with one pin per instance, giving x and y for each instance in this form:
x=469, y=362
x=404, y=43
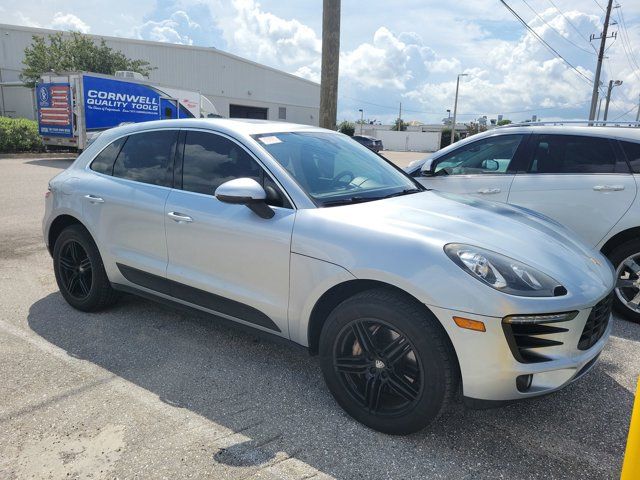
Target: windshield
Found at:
x=333, y=169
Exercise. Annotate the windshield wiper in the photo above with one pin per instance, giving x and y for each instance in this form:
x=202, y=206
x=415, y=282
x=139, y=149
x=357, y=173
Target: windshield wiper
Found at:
x=349, y=201
x=352, y=200
x=406, y=191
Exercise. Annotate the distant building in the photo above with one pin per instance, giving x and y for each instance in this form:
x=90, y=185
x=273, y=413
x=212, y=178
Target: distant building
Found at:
x=236, y=86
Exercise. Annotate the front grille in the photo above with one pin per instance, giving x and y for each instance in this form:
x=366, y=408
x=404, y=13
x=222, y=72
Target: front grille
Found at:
x=596, y=323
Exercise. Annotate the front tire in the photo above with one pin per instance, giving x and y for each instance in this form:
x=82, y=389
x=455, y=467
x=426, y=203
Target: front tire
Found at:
x=80, y=272
x=388, y=362
x=626, y=260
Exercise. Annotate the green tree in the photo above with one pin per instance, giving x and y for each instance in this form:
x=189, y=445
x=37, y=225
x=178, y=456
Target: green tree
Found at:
x=504, y=121
x=346, y=127
x=445, y=137
x=399, y=125
x=75, y=52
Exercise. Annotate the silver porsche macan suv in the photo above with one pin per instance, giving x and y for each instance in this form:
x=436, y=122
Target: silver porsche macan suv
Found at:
x=407, y=295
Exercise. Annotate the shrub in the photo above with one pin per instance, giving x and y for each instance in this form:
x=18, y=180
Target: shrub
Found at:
x=19, y=135
x=348, y=128
x=445, y=138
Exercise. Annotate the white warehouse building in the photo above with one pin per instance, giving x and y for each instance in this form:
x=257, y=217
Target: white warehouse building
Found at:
x=236, y=86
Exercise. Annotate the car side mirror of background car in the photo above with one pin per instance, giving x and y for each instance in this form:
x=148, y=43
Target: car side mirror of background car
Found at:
x=245, y=191
x=427, y=168
x=490, y=165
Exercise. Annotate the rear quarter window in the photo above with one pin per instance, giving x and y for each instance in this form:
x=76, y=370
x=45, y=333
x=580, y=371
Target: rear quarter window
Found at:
x=103, y=163
x=632, y=151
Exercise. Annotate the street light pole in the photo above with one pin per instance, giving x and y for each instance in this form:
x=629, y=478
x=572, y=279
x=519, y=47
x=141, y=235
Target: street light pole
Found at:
x=361, y=119
x=455, y=108
x=612, y=83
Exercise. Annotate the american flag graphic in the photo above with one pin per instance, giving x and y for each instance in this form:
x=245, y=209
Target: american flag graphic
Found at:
x=57, y=110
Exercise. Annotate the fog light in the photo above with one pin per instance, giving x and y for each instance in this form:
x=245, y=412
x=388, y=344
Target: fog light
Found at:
x=523, y=382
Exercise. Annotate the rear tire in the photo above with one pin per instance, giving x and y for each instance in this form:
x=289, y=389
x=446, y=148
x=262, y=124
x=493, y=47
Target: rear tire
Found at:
x=79, y=271
x=626, y=261
x=405, y=375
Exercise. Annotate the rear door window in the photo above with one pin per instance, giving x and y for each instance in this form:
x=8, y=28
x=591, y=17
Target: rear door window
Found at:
x=148, y=157
x=574, y=154
x=632, y=151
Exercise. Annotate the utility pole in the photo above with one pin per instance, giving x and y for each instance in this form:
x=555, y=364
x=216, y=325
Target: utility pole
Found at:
x=455, y=108
x=638, y=114
x=603, y=41
x=599, y=107
x=612, y=83
x=330, y=63
x=361, y=119
x=400, y=118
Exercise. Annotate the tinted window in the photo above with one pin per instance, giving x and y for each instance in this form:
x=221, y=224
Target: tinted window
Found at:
x=574, y=154
x=632, y=151
x=147, y=157
x=103, y=163
x=210, y=160
x=491, y=155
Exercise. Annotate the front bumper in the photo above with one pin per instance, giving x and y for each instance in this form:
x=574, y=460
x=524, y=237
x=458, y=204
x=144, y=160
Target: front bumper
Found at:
x=489, y=369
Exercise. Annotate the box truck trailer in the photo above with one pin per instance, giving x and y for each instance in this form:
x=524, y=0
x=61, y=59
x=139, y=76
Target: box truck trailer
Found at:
x=74, y=107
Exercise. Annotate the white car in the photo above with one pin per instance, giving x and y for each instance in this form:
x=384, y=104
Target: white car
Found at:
x=584, y=177
x=301, y=232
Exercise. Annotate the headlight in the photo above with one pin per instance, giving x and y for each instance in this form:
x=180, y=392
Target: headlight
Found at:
x=503, y=273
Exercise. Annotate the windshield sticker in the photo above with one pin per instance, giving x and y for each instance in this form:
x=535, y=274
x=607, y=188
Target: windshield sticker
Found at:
x=270, y=140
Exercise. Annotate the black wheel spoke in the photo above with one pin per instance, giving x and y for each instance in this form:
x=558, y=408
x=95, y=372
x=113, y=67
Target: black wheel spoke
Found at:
x=72, y=283
x=372, y=393
x=363, y=336
x=403, y=387
x=67, y=264
x=84, y=288
x=85, y=264
x=396, y=350
x=348, y=364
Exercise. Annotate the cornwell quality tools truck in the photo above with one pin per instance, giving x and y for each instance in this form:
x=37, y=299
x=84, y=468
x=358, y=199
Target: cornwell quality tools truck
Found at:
x=74, y=107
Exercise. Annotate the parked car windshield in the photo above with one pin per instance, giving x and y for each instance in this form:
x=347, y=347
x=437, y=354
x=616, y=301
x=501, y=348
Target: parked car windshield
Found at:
x=335, y=170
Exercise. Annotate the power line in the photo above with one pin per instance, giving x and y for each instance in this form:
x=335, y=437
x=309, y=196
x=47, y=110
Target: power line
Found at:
x=625, y=113
x=626, y=43
x=557, y=32
x=598, y=4
x=549, y=47
x=572, y=25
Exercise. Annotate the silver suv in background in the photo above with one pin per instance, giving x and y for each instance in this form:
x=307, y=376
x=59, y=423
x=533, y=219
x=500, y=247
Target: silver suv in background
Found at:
x=405, y=294
x=584, y=177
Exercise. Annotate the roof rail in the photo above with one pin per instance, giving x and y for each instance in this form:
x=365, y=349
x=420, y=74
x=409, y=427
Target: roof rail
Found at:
x=591, y=123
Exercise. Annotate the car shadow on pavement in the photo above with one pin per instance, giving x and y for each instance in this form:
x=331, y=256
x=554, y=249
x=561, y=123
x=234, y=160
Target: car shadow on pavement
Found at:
x=275, y=395
x=60, y=163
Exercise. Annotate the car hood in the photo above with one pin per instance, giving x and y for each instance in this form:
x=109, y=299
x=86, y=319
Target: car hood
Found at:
x=432, y=219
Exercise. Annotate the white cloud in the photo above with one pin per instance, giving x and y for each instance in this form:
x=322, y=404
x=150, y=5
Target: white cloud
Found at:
x=268, y=38
x=68, y=21
x=175, y=29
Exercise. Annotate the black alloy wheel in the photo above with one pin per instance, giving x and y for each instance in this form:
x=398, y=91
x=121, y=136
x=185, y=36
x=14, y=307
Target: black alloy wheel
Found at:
x=388, y=361
x=79, y=271
x=378, y=367
x=76, y=270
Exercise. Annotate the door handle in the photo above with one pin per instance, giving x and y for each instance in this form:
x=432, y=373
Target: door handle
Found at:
x=489, y=191
x=179, y=217
x=608, y=188
x=94, y=198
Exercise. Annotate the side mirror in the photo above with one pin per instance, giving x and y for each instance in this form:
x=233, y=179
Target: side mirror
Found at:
x=490, y=165
x=427, y=167
x=245, y=191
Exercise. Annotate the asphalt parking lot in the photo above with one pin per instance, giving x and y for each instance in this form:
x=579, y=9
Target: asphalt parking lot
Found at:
x=144, y=391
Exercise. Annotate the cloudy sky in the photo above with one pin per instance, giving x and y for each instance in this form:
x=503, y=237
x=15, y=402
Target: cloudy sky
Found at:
x=407, y=51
